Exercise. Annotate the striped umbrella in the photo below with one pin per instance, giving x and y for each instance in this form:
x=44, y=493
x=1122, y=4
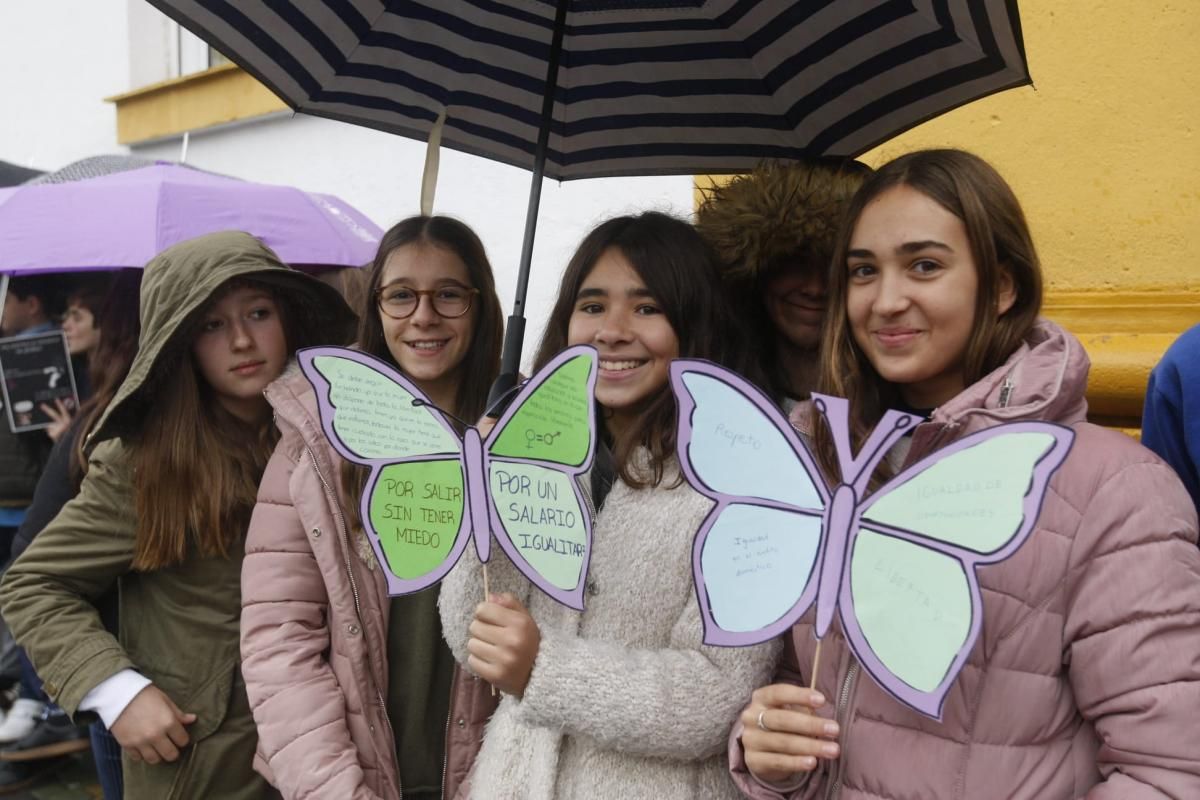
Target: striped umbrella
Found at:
x=588, y=88
x=644, y=88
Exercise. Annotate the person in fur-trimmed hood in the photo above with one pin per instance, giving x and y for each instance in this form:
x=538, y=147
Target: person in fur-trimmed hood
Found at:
x=774, y=231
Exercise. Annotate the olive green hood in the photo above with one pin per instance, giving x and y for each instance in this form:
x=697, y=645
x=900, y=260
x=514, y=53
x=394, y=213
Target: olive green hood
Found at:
x=180, y=281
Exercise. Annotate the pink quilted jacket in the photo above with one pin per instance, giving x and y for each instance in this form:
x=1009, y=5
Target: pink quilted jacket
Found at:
x=314, y=631
x=1086, y=679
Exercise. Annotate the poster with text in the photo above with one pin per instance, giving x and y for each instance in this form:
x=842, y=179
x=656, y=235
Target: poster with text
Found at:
x=895, y=563
x=35, y=371
x=432, y=490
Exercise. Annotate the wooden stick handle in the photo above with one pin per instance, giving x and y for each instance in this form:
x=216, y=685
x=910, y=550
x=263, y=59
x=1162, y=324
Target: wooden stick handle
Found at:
x=816, y=666
x=487, y=595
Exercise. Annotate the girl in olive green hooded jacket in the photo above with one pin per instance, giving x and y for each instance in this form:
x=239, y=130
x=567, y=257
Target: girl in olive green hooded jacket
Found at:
x=172, y=477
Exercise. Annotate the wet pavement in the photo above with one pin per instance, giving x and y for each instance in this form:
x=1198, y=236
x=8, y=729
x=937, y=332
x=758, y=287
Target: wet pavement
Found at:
x=73, y=778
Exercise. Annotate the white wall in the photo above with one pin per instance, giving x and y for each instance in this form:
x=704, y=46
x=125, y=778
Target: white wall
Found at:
x=162, y=50
x=100, y=46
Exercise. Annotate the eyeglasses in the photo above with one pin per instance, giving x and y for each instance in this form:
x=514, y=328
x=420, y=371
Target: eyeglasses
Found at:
x=400, y=302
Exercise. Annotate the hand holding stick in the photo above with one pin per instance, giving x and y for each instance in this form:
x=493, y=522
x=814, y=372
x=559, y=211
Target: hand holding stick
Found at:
x=504, y=644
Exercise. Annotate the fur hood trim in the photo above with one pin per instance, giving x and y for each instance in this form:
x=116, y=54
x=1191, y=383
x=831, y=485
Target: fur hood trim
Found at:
x=780, y=210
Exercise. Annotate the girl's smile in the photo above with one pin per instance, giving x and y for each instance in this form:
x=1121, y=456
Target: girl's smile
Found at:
x=912, y=292
x=615, y=312
x=616, y=370
x=795, y=300
x=427, y=346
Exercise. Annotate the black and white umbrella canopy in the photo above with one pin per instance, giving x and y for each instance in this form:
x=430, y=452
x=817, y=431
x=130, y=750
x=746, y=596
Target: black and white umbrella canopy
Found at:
x=643, y=87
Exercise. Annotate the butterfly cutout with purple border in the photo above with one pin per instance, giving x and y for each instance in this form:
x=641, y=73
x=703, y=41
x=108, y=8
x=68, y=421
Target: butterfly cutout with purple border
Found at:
x=430, y=491
x=898, y=565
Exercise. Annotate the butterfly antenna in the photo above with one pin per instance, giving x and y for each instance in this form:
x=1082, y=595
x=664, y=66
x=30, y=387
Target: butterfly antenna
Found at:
x=878, y=444
x=884, y=442
x=418, y=403
x=834, y=410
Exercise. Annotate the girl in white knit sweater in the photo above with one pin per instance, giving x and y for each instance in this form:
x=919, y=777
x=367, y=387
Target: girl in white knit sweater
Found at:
x=621, y=700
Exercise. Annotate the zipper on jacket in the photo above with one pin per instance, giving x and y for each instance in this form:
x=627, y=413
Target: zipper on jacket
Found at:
x=332, y=497
x=392, y=735
x=843, y=709
x=445, y=747
x=1006, y=390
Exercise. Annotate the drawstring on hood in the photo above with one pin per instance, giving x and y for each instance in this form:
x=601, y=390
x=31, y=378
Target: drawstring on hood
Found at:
x=1045, y=378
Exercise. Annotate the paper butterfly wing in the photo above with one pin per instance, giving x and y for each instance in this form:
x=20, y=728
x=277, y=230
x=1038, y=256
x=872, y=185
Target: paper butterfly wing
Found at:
x=414, y=513
x=916, y=614
x=536, y=454
x=910, y=601
x=367, y=412
x=413, y=501
x=552, y=418
x=756, y=553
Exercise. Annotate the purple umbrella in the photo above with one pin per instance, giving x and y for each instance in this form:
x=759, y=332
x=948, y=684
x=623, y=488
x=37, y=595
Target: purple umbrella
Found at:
x=125, y=219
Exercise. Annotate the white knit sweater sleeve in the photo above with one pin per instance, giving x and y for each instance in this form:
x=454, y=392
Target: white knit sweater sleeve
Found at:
x=678, y=701
x=675, y=698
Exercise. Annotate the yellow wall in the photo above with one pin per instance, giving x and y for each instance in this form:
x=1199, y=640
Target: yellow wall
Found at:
x=214, y=96
x=1103, y=153
x=1102, y=150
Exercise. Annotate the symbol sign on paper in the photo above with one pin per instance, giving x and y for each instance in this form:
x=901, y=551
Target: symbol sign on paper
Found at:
x=430, y=492
x=35, y=371
x=532, y=436
x=897, y=566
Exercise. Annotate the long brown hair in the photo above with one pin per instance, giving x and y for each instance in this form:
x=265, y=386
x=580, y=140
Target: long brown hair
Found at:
x=679, y=269
x=117, y=319
x=482, y=361
x=1001, y=247
x=90, y=291
x=196, y=467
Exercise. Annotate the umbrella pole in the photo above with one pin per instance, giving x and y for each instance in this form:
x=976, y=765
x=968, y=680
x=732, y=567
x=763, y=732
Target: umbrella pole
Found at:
x=514, y=331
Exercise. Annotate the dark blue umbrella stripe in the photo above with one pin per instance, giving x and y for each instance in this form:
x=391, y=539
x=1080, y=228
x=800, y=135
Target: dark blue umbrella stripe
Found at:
x=501, y=126
x=936, y=93
x=302, y=34
x=722, y=84
x=706, y=116
x=475, y=135
x=928, y=99
x=704, y=55
x=389, y=57
x=715, y=142
x=730, y=149
x=708, y=110
x=846, y=138
x=724, y=106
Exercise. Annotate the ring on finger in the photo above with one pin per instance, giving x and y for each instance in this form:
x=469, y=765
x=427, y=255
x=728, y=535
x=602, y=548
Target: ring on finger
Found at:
x=762, y=725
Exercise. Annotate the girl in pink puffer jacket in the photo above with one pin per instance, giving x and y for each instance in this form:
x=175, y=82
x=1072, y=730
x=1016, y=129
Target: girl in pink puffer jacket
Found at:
x=1086, y=678
x=355, y=694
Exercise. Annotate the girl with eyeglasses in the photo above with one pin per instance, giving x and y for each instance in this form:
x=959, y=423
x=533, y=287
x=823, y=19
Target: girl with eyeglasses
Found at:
x=354, y=692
